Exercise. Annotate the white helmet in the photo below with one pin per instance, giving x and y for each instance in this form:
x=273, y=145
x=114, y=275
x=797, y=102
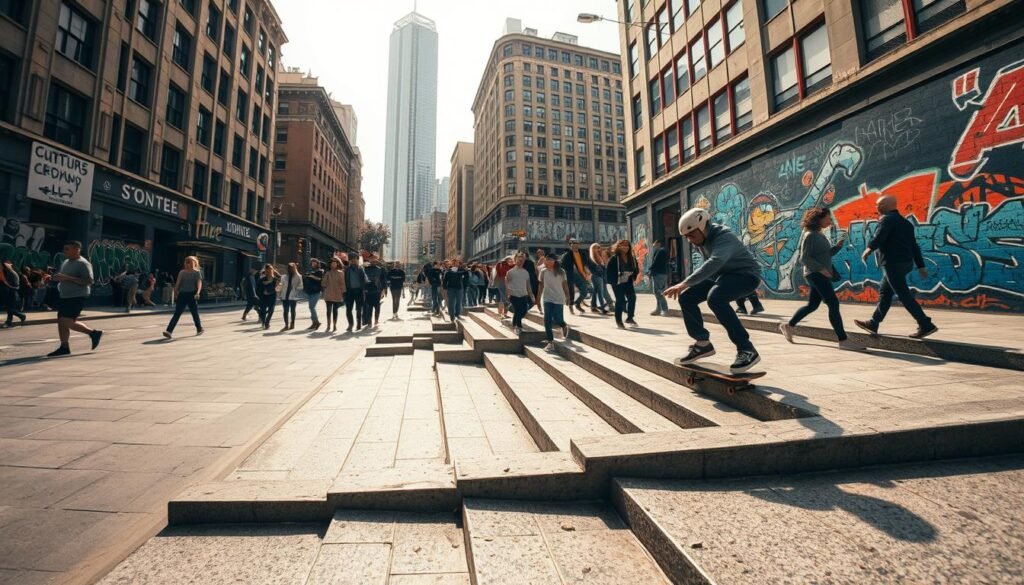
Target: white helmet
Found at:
x=694, y=219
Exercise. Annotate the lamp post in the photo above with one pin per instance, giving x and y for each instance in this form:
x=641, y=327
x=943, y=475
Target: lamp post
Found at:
x=589, y=18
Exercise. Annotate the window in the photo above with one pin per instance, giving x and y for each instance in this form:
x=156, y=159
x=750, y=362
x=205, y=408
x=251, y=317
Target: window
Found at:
x=651, y=33
x=661, y=19
x=686, y=137
x=170, y=167
x=138, y=86
x=817, y=60
x=641, y=172
x=76, y=35
x=785, y=82
x=245, y=61
x=677, y=15
x=261, y=44
x=655, y=95
x=257, y=119
x=15, y=10
x=697, y=56
x=176, y=106
x=268, y=93
x=66, y=114
x=122, y=67
x=929, y=14
x=147, y=19
x=672, y=146
x=668, y=85
x=565, y=212
x=716, y=44
x=271, y=57
x=219, y=132
x=704, y=140
x=224, y=88
x=682, y=74
x=692, y=6
x=254, y=162
x=237, y=152
x=203, y=123
x=742, y=105
x=734, y=25
x=236, y=198
x=250, y=204
x=133, y=149
x=242, y=106
x=658, y=155
x=229, y=40
x=773, y=7
x=213, y=18
x=723, y=117
x=216, y=180
x=638, y=114
x=538, y=211
x=199, y=172
x=208, y=78
x=280, y=162
x=189, y=5
x=247, y=20
x=181, y=52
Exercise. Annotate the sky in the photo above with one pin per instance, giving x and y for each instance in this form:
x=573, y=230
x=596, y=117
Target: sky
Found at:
x=345, y=44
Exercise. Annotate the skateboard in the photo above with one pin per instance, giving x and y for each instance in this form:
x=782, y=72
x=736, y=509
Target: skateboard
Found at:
x=741, y=381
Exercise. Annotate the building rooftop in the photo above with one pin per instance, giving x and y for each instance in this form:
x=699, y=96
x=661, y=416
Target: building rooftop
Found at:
x=415, y=18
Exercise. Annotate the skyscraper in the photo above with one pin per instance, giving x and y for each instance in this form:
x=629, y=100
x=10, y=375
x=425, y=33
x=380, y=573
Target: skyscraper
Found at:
x=409, y=180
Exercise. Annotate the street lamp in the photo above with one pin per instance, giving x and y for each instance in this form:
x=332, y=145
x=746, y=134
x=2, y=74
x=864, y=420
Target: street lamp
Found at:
x=588, y=18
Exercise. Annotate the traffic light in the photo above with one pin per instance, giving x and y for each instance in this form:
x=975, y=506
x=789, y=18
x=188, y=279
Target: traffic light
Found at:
x=301, y=245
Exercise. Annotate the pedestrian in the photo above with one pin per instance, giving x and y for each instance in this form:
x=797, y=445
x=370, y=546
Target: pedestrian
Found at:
x=355, y=281
x=755, y=304
x=375, y=287
x=554, y=293
x=313, y=288
x=74, y=285
x=476, y=281
x=396, y=285
x=816, y=256
x=147, y=293
x=130, y=283
x=52, y=296
x=520, y=294
x=897, y=253
x=541, y=262
x=531, y=268
x=291, y=294
x=454, y=281
x=187, y=288
x=598, y=278
x=621, y=271
x=501, y=270
x=9, y=282
x=577, y=271
x=434, y=274
x=729, y=272
x=248, y=288
x=334, y=292
x=658, y=273
x=268, y=287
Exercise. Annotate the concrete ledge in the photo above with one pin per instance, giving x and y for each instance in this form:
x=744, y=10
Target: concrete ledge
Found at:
x=527, y=476
x=422, y=488
x=439, y=336
x=389, y=349
x=91, y=314
x=394, y=339
x=480, y=338
x=251, y=501
x=461, y=355
x=533, y=426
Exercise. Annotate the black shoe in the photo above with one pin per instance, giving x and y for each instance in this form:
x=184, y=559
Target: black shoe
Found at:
x=200, y=331
x=697, y=352
x=744, y=361
x=868, y=326
x=620, y=325
x=757, y=309
x=741, y=310
x=631, y=322
x=62, y=350
x=349, y=329
x=95, y=336
x=924, y=331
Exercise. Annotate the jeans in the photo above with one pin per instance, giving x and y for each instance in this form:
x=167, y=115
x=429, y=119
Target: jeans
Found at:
x=289, y=312
x=576, y=281
x=185, y=299
x=554, y=314
x=718, y=293
x=314, y=298
x=250, y=304
x=520, y=305
x=600, y=293
x=396, y=299
x=894, y=282
x=755, y=303
x=267, y=304
x=454, y=302
x=354, y=297
x=625, y=300
x=371, y=307
x=821, y=290
x=660, y=282
x=500, y=294
x=471, y=295
x=435, y=298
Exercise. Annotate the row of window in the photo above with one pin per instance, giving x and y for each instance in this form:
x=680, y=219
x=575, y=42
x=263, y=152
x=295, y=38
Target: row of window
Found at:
x=555, y=55
x=528, y=81
x=565, y=212
x=557, y=100
x=540, y=69
x=557, y=146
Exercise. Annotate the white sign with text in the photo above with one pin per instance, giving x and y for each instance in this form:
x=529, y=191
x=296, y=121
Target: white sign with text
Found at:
x=59, y=178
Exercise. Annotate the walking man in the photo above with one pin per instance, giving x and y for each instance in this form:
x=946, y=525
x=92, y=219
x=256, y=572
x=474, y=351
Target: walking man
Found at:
x=355, y=280
x=396, y=284
x=577, y=272
x=658, y=271
x=729, y=272
x=312, y=284
x=898, y=253
x=376, y=285
x=252, y=298
x=75, y=284
x=9, y=293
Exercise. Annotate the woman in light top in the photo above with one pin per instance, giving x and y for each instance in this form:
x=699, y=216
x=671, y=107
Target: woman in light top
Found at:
x=291, y=294
x=187, y=287
x=554, y=293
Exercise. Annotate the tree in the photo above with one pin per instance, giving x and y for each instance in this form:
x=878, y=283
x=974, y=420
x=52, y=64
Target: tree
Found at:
x=374, y=236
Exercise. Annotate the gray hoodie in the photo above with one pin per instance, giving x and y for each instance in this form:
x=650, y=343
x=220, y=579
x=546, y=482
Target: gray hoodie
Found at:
x=724, y=253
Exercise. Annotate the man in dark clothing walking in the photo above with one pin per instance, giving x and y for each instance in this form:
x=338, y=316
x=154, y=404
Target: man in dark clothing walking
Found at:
x=355, y=281
x=396, y=285
x=577, y=272
x=434, y=275
x=376, y=283
x=252, y=298
x=530, y=267
x=897, y=253
x=658, y=271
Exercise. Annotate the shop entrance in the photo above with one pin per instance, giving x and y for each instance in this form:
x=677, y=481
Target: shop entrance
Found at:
x=666, y=228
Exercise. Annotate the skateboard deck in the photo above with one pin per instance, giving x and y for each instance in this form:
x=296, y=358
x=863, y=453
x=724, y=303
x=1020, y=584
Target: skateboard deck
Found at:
x=740, y=381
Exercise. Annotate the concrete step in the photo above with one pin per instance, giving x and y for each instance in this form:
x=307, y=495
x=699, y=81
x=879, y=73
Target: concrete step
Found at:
x=389, y=349
x=477, y=419
x=438, y=323
x=530, y=335
x=526, y=542
x=422, y=487
x=394, y=339
x=552, y=414
x=480, y=339
x=678, y=403
x=622, y=412
x=457, y=354
x=493, y=324
x=440, y=336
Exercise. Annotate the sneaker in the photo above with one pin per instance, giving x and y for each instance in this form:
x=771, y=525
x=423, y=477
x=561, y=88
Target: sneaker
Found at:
x=868, y=326
x=565, y=332
x=620, y=325
x=756, y=310
x=631, y=322
x=572, y=311
x=656, y=313
x=593, y=309
x=787, y=331
x=285, y=328
x=850, y=345
x=167, y=334
x=923, y=332
x=200, y=331
x=741, y=310
x=348, y=329
x=697, y=352
x=517, y=330
x=549, y=346
x=744, y=361
x=266, y=327
x=62, y=350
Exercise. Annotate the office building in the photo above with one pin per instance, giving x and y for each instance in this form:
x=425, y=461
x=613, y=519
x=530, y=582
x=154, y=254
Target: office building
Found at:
x=459, y=226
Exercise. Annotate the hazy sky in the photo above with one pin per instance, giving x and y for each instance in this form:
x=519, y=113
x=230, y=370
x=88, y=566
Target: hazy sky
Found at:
x=345, y=44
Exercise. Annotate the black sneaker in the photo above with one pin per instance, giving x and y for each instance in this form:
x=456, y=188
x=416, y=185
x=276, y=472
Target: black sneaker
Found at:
x=741, y=310
x=868, y=326
x=95, y=336
x=697, y=352
x=756, y=310
x=631, y=322
x=744, y=361
x=62, y=350
x=924, y=331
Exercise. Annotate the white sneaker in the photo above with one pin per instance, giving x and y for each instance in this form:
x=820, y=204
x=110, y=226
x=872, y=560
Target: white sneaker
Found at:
x=851, y=345
x=787, y=331
x=549, y=346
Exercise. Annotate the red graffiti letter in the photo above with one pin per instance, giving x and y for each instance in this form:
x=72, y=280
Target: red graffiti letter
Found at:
x=998, y=122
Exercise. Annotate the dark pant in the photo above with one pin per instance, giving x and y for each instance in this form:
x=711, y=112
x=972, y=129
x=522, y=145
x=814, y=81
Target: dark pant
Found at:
x=371, y=307
x=185, y=299
x=625, y=300
x=396, y=299
x=267, y=304
x=454, y=302
x=577, y=284
x=821, y=290
x=718, y=293
x=435, y=298
x=520, y=305
x=10, y=301
x=289, y=312
x=554, y=315
x=250, y=304
x=332, y=312
x=354, y=298
x=894, y=282
x=755, y=303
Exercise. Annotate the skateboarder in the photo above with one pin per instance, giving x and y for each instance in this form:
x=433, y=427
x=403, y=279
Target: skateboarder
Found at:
x=729, y=272
x=898, y=253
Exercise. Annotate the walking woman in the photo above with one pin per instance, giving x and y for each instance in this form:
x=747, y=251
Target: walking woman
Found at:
x=816, y=255
x=621, y=270
x=291, y=294
x=334, y=292
x=501, y=270
x=597, y=278
x=187, y=287
x=270, y=281
x=520, y=294
x=554, y=293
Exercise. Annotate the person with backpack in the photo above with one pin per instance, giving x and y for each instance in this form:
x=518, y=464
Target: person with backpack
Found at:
x=454, y=281
x=375, y=287
x=355, y=282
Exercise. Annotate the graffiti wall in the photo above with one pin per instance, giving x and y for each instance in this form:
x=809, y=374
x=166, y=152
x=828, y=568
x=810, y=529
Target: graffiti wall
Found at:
x=949, y=150
x=26, y=244
x=641, y=240
x=112, y=257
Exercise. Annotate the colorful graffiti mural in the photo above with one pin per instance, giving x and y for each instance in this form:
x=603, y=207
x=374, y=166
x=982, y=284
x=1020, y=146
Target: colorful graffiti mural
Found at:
x=966, y=198
x=25, y=244
x=641, y=246
x=111, y=257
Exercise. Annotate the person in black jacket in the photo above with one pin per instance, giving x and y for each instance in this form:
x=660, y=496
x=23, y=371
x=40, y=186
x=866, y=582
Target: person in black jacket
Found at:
x=658, y=271
x=530, y=267
x=454, y=281
x=355, y=281
x=577, y=266
x=434, y=273
x=898, y=253
x=252, y=298
x=376, y=284
x=621, y=271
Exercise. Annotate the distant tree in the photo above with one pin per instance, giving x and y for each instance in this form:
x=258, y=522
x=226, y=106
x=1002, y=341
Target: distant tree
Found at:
x=374, y=236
